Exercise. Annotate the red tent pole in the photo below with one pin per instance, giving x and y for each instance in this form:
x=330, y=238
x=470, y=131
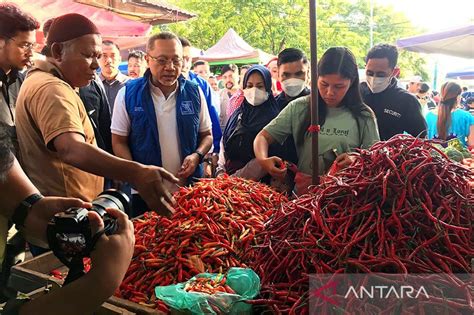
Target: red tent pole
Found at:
x=314, y=92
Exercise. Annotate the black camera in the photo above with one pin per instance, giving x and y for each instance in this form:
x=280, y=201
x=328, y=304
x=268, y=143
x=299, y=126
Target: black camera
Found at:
x=69, y=232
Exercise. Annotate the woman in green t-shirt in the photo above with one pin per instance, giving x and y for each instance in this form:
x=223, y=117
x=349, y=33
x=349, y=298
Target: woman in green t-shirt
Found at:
x=346, y=122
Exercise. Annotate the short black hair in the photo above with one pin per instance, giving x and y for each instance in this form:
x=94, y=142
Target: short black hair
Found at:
x=470, y=100
x=200, y=63
x=6, y=149
x=14, y=20
x=136, y=54
x=384, y=51
x=110, y=43
x=163, y=36
x=230, y=67
x=464, y=88
x=291, y=55
x=423, y=88
x=184, y=42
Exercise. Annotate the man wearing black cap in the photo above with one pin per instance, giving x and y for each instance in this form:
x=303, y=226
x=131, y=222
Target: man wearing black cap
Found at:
x=55, y=132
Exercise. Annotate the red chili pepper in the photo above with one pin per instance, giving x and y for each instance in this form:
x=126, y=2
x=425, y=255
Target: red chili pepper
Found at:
x=395, y=209
x=202, y=235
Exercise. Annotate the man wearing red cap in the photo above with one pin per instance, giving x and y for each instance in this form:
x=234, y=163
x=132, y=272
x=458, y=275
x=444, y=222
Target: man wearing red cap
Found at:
x=56, y=133
x=22, y=202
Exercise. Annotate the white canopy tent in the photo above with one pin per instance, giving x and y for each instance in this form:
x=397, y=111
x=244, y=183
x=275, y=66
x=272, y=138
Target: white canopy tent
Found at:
x=232, y=48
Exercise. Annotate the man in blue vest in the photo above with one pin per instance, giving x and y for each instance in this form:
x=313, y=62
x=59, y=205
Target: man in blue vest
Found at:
x=206, y=89
x=162, y=119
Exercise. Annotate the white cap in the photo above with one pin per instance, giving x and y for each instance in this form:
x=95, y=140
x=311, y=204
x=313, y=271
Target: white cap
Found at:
x=415, y=79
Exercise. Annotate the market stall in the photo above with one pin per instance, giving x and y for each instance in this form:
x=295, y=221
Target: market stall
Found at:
x=466, y=73
x=405, y=206
x=453, y=42
x=126, y=23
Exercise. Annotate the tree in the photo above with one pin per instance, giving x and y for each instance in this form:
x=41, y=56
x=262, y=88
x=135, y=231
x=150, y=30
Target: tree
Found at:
x=273, y=25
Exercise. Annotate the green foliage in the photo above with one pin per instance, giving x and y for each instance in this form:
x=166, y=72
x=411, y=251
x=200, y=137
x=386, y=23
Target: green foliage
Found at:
x=273, y=25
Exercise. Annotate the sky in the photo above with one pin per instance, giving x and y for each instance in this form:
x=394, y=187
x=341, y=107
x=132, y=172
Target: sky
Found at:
x=436, y=15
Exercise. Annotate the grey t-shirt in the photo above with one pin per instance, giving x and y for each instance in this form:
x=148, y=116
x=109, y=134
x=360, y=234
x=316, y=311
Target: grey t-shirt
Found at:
x=112, y=88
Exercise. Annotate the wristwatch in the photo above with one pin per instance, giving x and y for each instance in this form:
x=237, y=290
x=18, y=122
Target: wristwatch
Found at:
x=21, y=212
x=201, y=156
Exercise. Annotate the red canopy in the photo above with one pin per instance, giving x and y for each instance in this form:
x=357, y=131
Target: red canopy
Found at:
x=124, y=32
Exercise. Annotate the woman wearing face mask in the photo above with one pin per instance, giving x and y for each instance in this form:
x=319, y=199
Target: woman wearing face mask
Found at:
x=258, y=108
x=346, y=122
x=449, y=121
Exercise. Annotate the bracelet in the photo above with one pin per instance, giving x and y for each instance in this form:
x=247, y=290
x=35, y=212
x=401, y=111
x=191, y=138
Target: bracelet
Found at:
x=21, y=212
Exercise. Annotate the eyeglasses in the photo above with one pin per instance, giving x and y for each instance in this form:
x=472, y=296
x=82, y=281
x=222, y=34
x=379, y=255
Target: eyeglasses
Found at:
x=25, y=46
x=164, y=61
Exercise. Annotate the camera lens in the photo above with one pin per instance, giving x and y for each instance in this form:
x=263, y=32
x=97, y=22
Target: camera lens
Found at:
x=111, y=198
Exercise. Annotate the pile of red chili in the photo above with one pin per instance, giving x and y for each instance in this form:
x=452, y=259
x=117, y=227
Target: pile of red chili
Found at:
x=209, y=285
x=213, y=229
x=401, y=207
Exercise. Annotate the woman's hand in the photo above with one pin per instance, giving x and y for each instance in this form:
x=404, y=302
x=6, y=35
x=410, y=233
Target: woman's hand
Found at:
x=344, y=160
x=274, y=166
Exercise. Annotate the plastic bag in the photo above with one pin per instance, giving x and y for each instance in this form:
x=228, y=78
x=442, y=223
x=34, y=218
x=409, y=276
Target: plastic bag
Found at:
x=245, y=283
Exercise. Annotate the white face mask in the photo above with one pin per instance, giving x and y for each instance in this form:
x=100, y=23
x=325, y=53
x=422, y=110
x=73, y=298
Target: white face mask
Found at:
x=293, y=86
x=255, y=96
x=377, y=85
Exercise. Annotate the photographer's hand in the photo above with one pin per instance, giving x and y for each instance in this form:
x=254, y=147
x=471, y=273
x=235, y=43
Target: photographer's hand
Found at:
x=112, y=253
x=110, y=260
x=43, y=211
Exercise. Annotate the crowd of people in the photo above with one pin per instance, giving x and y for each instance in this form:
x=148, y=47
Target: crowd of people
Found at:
x=68, y=132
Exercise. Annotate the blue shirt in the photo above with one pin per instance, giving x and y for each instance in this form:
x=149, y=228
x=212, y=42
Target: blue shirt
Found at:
x=461, y=122
x=216, y=128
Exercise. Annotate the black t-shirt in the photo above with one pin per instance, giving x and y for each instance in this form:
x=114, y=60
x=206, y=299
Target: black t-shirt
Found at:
x=396, y=110
x=282, y=99
x=97, y=107
x=288, y=152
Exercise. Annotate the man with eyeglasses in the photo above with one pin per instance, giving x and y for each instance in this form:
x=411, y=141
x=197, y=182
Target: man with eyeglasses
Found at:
x=17, y=38
x=162, y=119
x=56, y=134
x=396, y=110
